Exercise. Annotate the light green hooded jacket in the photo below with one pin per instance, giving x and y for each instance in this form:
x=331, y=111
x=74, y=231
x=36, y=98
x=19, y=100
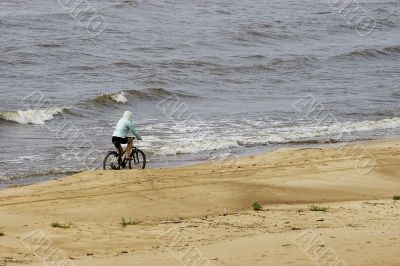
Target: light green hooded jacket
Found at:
x=125, y=126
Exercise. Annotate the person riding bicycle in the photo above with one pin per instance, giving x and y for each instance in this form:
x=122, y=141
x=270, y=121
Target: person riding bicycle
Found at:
x=124, y=126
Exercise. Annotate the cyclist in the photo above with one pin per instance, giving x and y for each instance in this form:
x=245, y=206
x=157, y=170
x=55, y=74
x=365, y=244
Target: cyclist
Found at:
x=121, y=131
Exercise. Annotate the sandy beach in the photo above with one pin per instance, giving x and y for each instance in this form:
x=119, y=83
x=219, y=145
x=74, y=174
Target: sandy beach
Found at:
x=202, y=214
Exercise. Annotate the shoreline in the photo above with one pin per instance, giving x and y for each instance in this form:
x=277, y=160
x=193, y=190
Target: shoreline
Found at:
x=211, y=208
x=24, y=181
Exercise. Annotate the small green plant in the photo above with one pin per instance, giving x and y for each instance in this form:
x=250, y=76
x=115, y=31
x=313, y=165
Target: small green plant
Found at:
x=256, y=206
x=63, y=226
x=397, y=197
x=125, y=222
x=2, y=234
x=315, y=208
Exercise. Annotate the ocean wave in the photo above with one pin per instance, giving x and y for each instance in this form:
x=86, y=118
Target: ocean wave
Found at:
x=50, y=45
x=128, y=3
x=258, y=135
x=293, y=63
x=126, y=64
x=366, y=125
x=323, y=134
x=190, y=146
x=158, y=93
x=37, y=117
x=122, y=97
x=109, y=98
x=371, y=53
x=263, y=32
x=380, y=24
x=386, y=22
x=187, y=64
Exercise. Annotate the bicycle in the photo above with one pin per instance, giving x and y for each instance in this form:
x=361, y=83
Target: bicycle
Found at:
x=114, y=161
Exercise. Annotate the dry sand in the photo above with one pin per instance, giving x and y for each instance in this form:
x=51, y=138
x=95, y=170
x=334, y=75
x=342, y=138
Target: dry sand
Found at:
x=203, y=212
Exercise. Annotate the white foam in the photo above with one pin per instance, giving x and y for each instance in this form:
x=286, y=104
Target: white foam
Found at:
x=335, y=131
x=208, y=138
x=38, y=117
x=187, y=145
x=348, y=127
x=119, y=97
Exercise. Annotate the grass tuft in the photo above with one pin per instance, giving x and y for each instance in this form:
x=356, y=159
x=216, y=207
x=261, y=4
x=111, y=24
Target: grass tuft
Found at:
x=63, y=226
x=318, y=208
x=396, y=197
x=125, y=222
x=256, y=206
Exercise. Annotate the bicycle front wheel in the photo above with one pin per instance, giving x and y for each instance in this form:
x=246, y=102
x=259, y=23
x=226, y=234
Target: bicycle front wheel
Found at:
x=111, y=161
x=138, y=160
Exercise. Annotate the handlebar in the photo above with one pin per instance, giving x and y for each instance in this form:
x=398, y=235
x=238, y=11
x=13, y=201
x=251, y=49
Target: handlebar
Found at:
x=133, y=138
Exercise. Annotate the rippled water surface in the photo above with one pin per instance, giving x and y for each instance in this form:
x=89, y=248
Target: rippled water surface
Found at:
x=236, y=67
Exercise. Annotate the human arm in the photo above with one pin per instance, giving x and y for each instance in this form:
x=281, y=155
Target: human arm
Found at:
x=134, y=131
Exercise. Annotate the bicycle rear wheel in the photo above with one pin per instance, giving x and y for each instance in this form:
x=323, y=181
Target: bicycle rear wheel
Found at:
x=111, y=161
x=138, y=160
